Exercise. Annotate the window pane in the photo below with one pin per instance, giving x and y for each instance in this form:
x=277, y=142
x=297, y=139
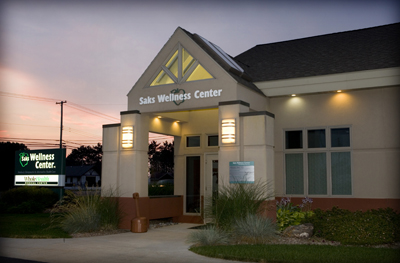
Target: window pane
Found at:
x=193, y=184
x=317, y=182
x=340, y=137
x=172, y=64
x=294, y=173
x=213, y=140
x=187, y=61
x=341, y=173
x=162, y=79
x=316, y=138
x=199, y=73
x=193, y=141
x=294, y=139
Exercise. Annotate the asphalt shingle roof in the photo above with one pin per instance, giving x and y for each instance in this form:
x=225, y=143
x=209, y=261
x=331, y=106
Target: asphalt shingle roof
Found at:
x=364, y=49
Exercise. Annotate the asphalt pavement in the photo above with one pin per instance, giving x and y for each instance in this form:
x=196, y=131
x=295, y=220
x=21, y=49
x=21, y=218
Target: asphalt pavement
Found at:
x=165, y=245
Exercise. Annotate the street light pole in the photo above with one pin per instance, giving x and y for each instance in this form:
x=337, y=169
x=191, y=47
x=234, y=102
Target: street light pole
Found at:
x=61, y=125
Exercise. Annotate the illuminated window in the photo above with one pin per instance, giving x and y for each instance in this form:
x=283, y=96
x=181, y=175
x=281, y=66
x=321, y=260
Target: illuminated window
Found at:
x=199, y=73
x=127, y=137
x=180, y=67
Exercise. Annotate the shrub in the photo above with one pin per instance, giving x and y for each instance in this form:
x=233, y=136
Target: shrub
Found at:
x=289, y=215
x=253, y=229
x=28, y=199
x=357, y=228
x=209, y=236
x=236, y=201
x=87, y=212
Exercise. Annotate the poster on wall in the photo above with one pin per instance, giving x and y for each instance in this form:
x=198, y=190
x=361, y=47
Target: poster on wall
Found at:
x=40, y=167
x=241, y=172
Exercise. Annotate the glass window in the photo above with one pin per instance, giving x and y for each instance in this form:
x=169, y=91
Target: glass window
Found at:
x=294, y=173
x=162, y=79
x=316, y=138
x=180, y=66
x=187, y=61
x=172, y=64
x=317, y=181
x=199, y=73
x=193, y=141
x=341, y=173
x=193, y=184
x=340, y=137
x=213, y=140
x=326, y=171
x=294, y=139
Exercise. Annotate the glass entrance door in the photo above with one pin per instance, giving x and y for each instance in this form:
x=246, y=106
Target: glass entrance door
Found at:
x=192, y=184
x=211, y=178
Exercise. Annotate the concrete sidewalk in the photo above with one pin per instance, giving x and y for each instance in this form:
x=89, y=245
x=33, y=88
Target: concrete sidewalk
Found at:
x=165, y=244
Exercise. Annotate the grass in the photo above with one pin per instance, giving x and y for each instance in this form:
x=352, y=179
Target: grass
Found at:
x=300, y=253
x=88, y=212
x=236, y=201
x=29, y=226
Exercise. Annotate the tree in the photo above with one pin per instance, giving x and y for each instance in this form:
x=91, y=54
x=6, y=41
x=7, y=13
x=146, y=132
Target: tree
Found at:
x=85, y=155
x=7, y=160
x=161, y=157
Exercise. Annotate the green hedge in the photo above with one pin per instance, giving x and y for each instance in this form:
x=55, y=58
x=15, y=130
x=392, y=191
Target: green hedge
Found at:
x=372, y=227
x=27, y=200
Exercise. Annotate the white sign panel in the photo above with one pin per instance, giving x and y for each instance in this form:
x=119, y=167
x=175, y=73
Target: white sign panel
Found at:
x=241, y=172
x=40, y=180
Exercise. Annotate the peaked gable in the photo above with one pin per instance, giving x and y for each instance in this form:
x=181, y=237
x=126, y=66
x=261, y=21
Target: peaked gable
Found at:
x=180, y=67
x=188, y=67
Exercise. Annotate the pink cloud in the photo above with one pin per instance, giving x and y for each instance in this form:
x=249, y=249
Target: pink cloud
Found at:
x=25, y=118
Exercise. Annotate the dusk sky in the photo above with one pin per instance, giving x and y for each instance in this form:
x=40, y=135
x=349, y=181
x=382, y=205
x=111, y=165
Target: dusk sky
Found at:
x=91, y=53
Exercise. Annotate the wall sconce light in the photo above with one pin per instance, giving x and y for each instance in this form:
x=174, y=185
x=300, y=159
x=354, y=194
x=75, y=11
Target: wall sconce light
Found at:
x=127, y=137
x=228, y=131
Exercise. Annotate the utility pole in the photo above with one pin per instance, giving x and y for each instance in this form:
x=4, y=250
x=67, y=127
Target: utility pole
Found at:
x=61, y=126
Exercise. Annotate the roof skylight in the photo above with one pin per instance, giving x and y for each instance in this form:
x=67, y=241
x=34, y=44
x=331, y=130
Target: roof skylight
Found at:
x=222, y=54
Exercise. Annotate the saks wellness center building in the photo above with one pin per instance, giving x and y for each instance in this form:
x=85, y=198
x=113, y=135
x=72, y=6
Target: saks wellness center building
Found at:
x=316, y=117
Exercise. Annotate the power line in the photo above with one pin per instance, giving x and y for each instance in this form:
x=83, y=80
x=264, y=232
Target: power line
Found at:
x=71, y=104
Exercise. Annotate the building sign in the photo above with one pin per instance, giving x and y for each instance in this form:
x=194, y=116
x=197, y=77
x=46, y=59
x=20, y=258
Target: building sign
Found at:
x=179, y=96
x=40, y=167
x=241, y=172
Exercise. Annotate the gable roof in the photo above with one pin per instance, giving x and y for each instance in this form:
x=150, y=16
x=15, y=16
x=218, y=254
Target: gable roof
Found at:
x=364, y=49
x=240, y=77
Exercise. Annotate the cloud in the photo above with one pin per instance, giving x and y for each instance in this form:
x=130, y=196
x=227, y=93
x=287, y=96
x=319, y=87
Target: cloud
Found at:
x=24, y=118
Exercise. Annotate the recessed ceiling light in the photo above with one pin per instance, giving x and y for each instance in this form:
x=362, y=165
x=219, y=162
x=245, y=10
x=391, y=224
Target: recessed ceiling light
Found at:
x=338, y=91
x=293, y=95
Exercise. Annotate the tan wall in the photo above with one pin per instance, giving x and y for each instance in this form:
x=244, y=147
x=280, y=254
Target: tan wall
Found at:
x=125, y=170
x=373, y=116
x=110, y=160
x=258, y=146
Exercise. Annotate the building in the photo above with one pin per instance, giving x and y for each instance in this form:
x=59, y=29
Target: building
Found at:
x=316, y=117
x=81, y=177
